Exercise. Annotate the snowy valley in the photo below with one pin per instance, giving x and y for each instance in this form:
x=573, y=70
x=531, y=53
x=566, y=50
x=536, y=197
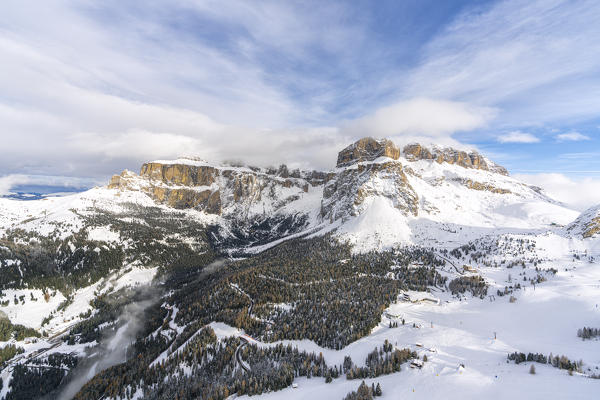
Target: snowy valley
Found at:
x=198, y=280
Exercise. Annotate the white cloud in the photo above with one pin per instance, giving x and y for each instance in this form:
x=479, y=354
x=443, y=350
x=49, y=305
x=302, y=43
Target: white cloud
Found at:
x=517, y=137
x=137, y=144
x=420, y=116
x=579, y=194
x=88, y=90
x=536, y=60
x=571, y=137
x=86, y=102
x=7, y=182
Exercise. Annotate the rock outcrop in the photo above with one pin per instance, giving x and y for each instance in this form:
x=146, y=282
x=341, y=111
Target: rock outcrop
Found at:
x=593, y=228
x=122, y=181
x=488, y=187
x=474, y=160
x=179, y=173
x=587, y=224
x=367, y=149
x=345, y=194
x=357, y=179
x=369, y=168
x=214, y=189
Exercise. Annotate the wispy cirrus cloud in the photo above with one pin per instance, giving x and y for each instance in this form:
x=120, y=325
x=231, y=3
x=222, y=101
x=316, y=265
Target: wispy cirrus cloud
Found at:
x=517, y=137
x=535, y=60
x=581, y=155
x=571, y=137
x=130, y=82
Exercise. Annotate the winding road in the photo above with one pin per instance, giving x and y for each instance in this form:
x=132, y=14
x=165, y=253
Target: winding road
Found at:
x=238, y=354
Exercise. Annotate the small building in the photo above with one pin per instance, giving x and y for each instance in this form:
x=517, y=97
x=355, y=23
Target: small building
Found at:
x=430, y=300
x=468, y=268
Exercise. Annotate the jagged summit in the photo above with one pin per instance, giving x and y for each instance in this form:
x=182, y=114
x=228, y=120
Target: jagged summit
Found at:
x=472, y=159
x=216, y=189
x=369, y=149
x=378, y=195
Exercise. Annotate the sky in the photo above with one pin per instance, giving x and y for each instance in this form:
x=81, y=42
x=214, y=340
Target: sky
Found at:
x=90, y=88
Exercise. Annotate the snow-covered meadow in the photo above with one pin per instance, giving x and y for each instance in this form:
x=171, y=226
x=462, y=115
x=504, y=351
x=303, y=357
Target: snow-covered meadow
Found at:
x=479, y=334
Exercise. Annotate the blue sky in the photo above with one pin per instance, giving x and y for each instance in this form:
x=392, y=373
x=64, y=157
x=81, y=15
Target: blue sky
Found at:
x=89, y=88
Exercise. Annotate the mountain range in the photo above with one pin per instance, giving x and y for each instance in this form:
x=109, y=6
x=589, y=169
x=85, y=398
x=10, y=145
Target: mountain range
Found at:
x=194, y=279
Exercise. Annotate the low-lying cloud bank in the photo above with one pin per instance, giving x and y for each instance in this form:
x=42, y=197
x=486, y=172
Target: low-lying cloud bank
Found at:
x=579, y=194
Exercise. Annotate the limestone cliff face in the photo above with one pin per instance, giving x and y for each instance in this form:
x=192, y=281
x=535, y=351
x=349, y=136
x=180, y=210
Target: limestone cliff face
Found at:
x=346, y=192
x=366, y=169
x=183, y=186
x=367, y=149
x=122, y=181
x=217, y=190
x=115, y=182
x=179, y=174
x=206, y=200
x=474, y=160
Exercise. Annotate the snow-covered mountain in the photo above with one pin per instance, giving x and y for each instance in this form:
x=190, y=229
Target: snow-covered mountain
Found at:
x=377, y=195
x=420, y=233
x=434, y=195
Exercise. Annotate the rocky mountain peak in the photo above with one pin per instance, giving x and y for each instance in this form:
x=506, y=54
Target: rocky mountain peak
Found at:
x=471, y=159
x=367, y=149
x=228, y=189
x=347, y=192
x=217, y=189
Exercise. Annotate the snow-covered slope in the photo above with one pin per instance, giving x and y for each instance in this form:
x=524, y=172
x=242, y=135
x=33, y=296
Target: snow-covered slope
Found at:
x=402, y=200
x=474, y=220
x=587, y=224
x=64, y=214
x=479, y=334
x=377, y=197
